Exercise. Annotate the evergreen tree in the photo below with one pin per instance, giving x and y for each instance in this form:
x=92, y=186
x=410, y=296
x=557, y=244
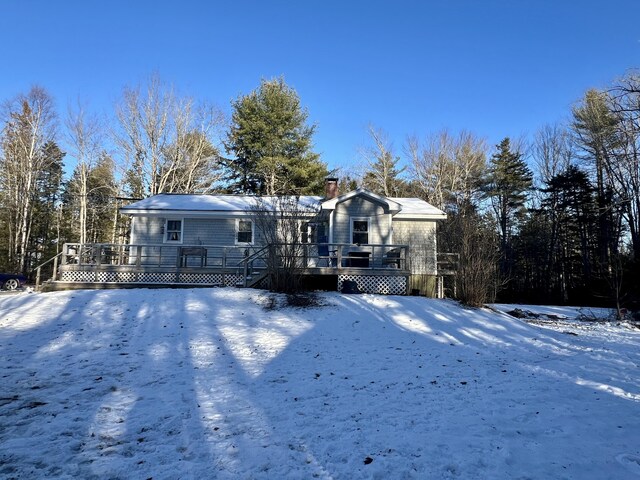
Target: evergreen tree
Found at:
x=595, y=128
x=570, y=201
x=272, y=144
x=347, y=183
x=382, y=177
x=382, y=174
x=134, y=180
x=508, y=183
x=531, y=281
x=45, y=237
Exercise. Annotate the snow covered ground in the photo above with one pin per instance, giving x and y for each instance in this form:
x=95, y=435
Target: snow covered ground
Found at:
x=201, y=383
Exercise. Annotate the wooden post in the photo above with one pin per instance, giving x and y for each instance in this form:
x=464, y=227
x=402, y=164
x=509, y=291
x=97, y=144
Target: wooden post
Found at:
x=55, y=268
x=38, y=278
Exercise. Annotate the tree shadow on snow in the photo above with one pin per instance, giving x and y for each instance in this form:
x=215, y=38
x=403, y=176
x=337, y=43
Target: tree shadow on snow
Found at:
x=209, y=384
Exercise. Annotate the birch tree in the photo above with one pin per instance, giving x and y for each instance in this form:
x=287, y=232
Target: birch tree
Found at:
x=84, y=135
x=166, y=142
x=448, y=169
x=29, y=122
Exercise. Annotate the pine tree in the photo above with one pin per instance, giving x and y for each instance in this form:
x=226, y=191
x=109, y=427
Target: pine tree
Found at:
x=595, y=128
x=508, y=183
x=45, y=237
x=382, y=176
x=272, y=144
x=570, y=203
x=383, y=171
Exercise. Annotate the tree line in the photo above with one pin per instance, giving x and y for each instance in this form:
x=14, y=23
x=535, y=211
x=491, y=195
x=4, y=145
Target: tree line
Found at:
x=155, y=141
x=553, y=218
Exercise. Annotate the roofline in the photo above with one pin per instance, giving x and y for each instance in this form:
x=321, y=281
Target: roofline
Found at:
x=395, y=208
x=244, y=213
x=332, y=203
x=159, y=212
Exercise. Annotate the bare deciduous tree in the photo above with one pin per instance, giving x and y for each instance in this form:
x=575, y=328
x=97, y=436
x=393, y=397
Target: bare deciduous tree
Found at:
x=552, y=151
x=625, y=169
x=280, y=221
x=167, y=142
x=84, y=136
x=474, y=239
x=448, y=169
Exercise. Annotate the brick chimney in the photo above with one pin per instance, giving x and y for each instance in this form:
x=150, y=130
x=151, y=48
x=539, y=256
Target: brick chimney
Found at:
x=330, y=188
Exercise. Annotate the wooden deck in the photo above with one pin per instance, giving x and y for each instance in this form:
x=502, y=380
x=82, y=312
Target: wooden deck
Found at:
x=378, y=268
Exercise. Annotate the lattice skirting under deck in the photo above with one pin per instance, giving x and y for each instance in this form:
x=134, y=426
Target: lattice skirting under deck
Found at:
x=380, y=284
x=151, y=277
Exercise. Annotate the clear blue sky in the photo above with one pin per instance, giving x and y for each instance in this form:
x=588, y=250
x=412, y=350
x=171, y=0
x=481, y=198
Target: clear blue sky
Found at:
x=496, y=68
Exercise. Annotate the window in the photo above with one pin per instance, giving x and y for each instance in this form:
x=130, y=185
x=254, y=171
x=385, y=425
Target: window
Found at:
x=244, y=231
x=306, y=231
x=173, y=231
x=360, y=230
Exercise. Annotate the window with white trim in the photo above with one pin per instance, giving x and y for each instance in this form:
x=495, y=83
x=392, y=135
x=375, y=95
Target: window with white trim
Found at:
x=360, y=230
x=173, y=231
x=244, y=231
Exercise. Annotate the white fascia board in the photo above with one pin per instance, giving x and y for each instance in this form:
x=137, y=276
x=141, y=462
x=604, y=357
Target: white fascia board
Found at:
x=420, y=216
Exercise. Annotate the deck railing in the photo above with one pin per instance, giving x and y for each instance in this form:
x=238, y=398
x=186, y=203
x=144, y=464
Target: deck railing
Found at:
x=308, y=255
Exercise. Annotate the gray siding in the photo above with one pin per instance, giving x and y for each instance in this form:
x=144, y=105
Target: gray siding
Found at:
x=209, y=231
x=196, y=231
x=379, y=232
x=146, y=230
x=420, y=235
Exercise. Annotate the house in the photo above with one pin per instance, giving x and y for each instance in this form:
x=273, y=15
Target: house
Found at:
x=385, y=245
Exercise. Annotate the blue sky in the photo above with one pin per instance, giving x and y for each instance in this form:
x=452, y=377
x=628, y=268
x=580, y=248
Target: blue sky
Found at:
x=496, y=68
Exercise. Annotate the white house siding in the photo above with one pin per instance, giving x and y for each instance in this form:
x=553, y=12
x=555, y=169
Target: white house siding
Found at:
x=420, y=235
x=363, y=207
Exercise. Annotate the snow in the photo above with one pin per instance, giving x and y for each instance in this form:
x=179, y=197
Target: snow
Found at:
x=210, y=204
x=415, y=207
x=212, y=383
